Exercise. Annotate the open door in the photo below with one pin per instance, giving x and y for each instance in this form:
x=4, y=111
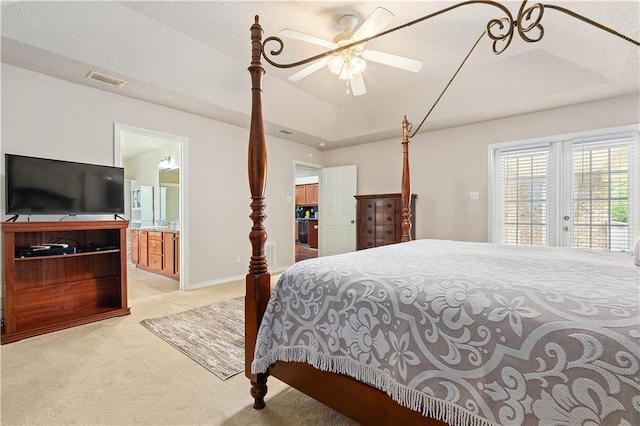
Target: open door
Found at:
x=338, y=187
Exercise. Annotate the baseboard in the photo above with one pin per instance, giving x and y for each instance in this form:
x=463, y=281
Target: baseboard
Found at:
x=227, y=280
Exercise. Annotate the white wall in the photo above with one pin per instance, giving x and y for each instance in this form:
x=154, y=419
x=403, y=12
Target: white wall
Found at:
x=47, y=117
x=446, y=165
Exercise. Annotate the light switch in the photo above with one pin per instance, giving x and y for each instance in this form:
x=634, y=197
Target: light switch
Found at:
x=475, y=195
x=289, y=199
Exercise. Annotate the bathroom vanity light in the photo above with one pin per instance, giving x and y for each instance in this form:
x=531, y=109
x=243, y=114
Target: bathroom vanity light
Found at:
x=167, y=163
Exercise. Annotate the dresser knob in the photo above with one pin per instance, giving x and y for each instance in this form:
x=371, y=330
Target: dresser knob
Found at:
x=369, y=218
x=389, y=218
x=389, y=232
x=369, y=231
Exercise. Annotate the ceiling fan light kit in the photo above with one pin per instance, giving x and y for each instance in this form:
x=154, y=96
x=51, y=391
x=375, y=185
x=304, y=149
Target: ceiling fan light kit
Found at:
x=346, y=65
x=349, y=63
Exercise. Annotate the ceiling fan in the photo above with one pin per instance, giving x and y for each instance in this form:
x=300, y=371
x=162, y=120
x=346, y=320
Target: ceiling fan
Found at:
x=349, y=64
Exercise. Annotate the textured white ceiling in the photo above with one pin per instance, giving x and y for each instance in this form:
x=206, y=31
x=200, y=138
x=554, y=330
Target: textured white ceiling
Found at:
x=193, y=56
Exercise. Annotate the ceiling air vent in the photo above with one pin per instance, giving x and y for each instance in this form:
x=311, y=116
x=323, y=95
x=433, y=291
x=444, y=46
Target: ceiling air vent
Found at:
x=106, y=79
x=285, y=132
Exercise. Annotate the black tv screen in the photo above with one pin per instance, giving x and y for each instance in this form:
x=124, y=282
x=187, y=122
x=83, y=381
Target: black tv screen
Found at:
x=42, y=186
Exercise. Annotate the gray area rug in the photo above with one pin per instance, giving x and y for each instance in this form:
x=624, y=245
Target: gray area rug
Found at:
x=211, y=335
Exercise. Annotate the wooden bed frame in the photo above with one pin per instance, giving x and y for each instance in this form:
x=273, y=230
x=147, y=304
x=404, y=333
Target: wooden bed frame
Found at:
x=354, y=399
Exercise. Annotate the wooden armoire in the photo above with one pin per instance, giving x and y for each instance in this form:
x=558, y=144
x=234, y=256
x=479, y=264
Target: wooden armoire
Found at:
x=379, y=220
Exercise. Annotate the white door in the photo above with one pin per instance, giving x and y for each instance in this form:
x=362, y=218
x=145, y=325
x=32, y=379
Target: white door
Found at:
x=599, y=199
x=337, y=210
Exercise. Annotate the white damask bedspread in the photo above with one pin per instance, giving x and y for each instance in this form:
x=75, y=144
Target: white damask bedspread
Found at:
x=469, y=333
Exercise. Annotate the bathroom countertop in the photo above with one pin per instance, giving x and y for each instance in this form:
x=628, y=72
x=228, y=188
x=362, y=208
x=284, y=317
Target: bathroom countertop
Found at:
x=158, y=229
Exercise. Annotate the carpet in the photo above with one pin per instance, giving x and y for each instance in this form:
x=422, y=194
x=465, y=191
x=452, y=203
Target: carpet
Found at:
x=211, y=335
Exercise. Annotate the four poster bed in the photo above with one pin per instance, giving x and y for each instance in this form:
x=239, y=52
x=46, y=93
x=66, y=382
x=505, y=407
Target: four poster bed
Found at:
x=428, y=331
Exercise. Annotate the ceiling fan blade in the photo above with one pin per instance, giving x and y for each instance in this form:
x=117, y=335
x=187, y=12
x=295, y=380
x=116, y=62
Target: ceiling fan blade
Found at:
x=378, y=20
x=357, y=85
x=310, y=69
x=288, y=32
x=401, y=62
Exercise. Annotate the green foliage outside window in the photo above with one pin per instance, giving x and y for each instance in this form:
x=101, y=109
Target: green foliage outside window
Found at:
x=620, y=208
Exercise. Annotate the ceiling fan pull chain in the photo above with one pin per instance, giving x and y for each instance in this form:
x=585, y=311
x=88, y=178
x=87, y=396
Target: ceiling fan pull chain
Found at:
x=348, y=86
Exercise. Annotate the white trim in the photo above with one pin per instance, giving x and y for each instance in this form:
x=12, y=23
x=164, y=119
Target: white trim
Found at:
x=556, y=209
x=634, y=196
x=566, y=136
x=231, y=279
x=493, y=226
x=118, y=129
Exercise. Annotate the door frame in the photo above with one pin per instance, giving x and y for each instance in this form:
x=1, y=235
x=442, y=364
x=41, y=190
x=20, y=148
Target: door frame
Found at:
x=318, y=167
x=118, y=130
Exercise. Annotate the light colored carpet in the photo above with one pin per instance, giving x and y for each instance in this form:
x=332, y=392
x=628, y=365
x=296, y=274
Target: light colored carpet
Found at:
x=212, y=335
x=115, y=372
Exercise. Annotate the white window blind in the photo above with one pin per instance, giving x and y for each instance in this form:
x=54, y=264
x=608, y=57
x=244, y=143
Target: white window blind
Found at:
x=602, y=185
x=524, y=194
x=574, y=191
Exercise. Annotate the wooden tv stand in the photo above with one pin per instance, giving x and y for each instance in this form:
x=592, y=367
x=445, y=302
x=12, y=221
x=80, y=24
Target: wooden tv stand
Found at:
x=52, y=292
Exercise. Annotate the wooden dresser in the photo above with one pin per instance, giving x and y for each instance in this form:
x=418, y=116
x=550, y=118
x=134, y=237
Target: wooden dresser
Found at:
x=379, y=220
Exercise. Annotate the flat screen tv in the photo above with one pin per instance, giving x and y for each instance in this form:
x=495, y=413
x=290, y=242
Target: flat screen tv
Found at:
x=42, y=186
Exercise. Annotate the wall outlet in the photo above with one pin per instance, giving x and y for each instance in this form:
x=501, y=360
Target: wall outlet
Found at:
x=474, y=195
x=237, y=258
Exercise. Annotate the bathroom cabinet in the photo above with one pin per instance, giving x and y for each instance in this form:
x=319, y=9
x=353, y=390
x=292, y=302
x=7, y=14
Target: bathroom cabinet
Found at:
x=156, y=251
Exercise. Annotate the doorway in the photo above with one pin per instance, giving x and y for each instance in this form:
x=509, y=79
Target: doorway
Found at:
x=155, y=168
x=306, y=211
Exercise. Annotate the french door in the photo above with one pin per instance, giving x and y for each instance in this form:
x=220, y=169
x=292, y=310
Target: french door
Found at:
x=572, y=192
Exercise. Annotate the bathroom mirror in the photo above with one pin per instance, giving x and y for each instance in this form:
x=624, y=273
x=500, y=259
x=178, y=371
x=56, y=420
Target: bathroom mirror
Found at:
x=169, y=195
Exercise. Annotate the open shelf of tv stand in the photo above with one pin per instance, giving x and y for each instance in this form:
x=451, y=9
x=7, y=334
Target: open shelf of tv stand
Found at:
x=53, y=256
x=48, y=293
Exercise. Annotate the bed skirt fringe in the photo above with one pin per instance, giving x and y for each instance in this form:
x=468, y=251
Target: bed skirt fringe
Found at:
x=428, y=405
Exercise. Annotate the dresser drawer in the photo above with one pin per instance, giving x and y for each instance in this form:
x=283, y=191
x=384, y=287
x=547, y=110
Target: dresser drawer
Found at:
x=366, y=243
x=384, y=218
x=390, y=235
x=389, y=206
x=367, y=206
x=366, y=232
x=155, y=247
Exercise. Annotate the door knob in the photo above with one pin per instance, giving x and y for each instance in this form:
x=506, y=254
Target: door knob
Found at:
x=353, y=221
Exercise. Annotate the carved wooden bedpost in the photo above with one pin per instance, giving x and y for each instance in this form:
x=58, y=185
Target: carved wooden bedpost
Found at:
x=405, y=195
x=258, y=280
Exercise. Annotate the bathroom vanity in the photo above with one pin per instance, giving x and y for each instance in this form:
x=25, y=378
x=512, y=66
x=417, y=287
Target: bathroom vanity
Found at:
x=156, y=250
